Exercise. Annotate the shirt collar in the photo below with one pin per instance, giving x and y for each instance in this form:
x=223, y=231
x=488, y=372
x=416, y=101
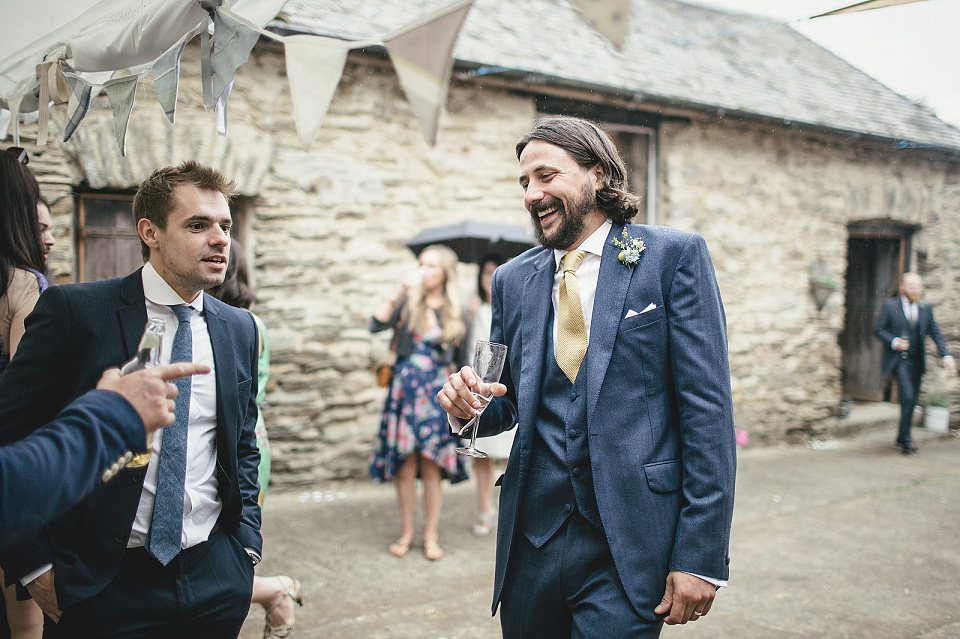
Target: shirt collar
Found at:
x=156, y=289
x=593, y=245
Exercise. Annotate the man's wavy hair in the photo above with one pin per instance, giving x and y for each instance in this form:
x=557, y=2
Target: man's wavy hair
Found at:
x=589, y=145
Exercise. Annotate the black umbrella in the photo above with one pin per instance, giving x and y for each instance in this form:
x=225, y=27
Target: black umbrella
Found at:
x=471, y=241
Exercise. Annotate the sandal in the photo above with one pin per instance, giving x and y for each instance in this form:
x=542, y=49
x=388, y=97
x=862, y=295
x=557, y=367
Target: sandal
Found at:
x=291, y=589
x=484, y=523
x=432, y=550
x=400, y=547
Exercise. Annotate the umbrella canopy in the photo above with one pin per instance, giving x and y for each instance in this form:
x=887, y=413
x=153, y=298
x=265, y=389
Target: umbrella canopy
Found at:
x=471, y=241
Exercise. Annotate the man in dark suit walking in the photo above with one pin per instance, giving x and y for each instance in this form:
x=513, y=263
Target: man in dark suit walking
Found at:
x=616, y=505
x=903, y=326
x=167, y=549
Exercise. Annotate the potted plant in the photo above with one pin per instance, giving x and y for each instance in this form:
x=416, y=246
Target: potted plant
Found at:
x=937, y=414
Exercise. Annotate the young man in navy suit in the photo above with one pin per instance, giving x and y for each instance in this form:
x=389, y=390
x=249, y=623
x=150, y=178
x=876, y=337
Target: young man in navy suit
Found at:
x=616, y=505
x=903, y=326
x=168, y=549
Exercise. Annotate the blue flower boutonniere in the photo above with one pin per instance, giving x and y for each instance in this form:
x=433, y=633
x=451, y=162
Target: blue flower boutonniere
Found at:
x=630, y=249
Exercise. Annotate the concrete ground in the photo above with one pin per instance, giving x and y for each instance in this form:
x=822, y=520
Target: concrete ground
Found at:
x=837, y=539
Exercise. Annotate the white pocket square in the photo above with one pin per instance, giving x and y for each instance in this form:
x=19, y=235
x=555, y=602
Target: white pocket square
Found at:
x=631, y=312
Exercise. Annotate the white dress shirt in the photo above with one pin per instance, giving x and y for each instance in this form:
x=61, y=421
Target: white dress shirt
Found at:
x=201, y=503
x=587, y=275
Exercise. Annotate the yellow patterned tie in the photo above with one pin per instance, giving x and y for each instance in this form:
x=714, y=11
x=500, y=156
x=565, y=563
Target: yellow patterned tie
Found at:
x=571, y=329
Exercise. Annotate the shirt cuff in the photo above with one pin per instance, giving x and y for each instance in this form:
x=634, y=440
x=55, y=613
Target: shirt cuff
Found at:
x=30, y=577
x=719, y=583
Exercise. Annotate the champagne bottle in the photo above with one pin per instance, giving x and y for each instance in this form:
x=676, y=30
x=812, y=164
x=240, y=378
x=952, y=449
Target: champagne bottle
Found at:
x=148, y=351
x=148, y=356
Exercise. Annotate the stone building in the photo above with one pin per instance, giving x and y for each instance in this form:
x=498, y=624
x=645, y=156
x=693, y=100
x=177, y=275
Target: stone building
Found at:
x=805, y=176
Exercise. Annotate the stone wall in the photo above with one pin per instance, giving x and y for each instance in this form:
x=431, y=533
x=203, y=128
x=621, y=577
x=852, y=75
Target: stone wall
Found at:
x=771, y=202
x=325, y=230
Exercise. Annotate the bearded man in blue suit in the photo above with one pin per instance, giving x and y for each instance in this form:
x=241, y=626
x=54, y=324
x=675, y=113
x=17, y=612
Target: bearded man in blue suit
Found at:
x=617, y=501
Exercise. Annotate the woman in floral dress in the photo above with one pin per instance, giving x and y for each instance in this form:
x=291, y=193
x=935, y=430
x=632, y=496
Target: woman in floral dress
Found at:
x=414, y=439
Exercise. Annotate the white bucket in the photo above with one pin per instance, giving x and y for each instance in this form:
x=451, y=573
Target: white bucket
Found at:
x=936, y=419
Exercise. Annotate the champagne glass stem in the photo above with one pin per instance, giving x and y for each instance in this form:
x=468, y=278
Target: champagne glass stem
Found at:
x=473, y=421
x=476, y=427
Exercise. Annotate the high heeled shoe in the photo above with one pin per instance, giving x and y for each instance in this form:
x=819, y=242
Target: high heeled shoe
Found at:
x=291, y=589
x=484, y=523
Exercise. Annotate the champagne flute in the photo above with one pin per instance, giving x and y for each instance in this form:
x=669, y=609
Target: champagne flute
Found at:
x=488, y=360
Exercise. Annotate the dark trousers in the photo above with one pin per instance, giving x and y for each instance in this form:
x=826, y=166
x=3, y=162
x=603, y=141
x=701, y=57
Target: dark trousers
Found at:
x=568, y=587
x=907, y=373
x=204, y=593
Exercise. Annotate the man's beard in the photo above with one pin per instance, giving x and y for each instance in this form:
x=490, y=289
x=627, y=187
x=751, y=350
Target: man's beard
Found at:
x=571, y=221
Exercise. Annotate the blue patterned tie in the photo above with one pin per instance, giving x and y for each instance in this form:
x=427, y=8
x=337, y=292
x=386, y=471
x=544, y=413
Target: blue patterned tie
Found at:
x=166, y=527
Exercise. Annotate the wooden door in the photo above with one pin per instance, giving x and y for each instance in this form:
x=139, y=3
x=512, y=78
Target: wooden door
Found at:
x=874, y=266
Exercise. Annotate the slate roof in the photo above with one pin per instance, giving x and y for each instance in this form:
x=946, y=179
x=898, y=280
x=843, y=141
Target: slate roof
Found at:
x=676, y=53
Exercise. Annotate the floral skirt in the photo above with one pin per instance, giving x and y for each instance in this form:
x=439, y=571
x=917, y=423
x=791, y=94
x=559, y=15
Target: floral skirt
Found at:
x=414, y=422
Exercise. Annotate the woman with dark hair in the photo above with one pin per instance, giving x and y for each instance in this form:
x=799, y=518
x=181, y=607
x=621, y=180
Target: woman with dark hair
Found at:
x=276, y=594
x=21, y=281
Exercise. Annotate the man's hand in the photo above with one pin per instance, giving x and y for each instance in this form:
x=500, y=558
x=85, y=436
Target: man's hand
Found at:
x=456, y=396
x=42, y=591
x=149, y=390
x=949, y=364
x=687, y=598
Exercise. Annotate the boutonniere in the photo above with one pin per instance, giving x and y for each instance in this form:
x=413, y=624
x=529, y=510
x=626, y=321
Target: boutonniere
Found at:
x=630, y=249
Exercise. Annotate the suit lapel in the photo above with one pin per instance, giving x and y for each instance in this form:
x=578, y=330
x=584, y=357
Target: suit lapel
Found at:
x=133, y=312
x=534, y=319
x=608, y=309
x=225, y=364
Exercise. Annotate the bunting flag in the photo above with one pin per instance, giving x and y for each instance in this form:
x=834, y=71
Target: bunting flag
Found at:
x=121, y=93
x=314, y=67
x=864, y=6
x=14, y=106
x=77, y=106
x=610, y=18
x=221, y=111
x=422, y=54
x=53, y=88
x=233, y=40
x=166, y=77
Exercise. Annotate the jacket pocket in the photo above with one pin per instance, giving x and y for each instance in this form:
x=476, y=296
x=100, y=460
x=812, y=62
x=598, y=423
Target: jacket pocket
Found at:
x=663, y=477
x=642, y=319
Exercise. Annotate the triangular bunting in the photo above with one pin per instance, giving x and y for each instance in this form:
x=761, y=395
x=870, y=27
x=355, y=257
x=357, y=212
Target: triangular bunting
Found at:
x=233, y=40
x=14, y=104
x=314, y=67
x=166, y=77
x=77, y=106
x=121, y=93
x=422, y=56
x=221, y=111
x=611, y=18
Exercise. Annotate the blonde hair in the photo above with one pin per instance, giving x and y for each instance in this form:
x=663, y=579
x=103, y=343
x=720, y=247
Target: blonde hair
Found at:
x=451, y=313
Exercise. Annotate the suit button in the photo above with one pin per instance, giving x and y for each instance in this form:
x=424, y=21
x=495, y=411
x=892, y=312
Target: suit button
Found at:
x=119, y=537
x=572, y=434
x=576, y=472
x=574, y=396
x=137, y=477
x=567, y=508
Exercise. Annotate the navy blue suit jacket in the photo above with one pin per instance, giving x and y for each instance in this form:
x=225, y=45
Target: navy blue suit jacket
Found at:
x=49, y=471
x=893, y=323
x=659, y=410
x=73, y=334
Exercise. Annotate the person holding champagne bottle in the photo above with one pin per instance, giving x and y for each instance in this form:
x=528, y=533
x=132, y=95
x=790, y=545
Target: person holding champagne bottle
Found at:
x=170, y=547
x=428, y=324
x=615, y=508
